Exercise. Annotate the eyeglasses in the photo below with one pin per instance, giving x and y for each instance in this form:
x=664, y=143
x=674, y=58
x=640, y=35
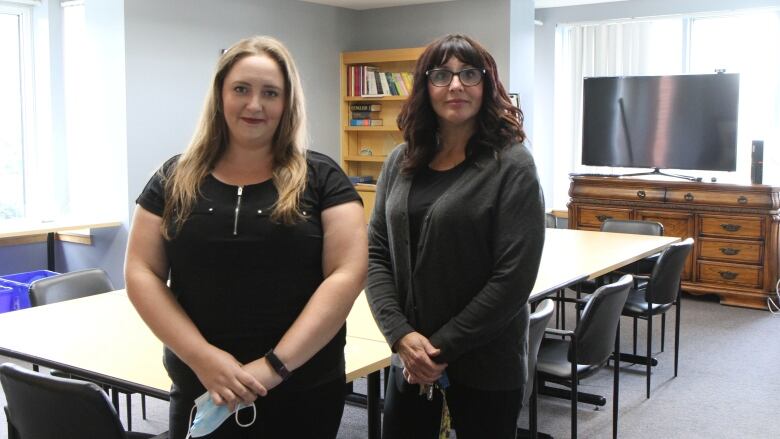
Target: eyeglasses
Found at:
x=443, y=77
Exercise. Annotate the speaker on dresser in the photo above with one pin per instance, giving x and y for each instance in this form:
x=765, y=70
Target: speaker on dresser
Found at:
x=757, y=162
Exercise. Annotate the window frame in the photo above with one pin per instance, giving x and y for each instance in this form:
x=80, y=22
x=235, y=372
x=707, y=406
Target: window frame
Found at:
x=23, y=10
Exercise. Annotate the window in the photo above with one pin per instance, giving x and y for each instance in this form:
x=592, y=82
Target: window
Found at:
x=746, y=43
x=15, y=106
x=52, y=77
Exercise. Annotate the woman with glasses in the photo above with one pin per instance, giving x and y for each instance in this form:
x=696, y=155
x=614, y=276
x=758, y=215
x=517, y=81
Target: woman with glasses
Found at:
x=455, y=241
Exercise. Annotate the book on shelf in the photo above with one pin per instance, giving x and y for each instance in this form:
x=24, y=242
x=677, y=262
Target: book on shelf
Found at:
x=399, y=81
x=358, y=179
x=365, y=107
x=364, y=115
x=408, y=80
x=365, y=122
x=369, y=81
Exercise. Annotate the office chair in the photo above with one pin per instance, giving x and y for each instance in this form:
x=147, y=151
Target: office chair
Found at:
x=636, y=227
x=643, y=266
x=656, y=296
x=537, y=324
x=590, y=344
x=47, y=407
x=75, y=285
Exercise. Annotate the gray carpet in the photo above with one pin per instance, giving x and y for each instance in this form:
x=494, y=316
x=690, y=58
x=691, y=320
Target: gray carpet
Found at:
x=727, y=385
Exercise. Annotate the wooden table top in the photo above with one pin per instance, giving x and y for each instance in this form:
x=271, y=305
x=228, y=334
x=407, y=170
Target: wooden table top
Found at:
x=105, y=338
x=569, y=256
x=20, y=228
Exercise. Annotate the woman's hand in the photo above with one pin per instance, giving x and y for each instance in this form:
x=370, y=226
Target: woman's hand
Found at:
x=225, y=379
x=417, y=353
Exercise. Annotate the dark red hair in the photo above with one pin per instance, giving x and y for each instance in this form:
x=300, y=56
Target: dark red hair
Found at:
x=499, y=123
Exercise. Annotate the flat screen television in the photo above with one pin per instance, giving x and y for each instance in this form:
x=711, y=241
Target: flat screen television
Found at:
x=673, y=122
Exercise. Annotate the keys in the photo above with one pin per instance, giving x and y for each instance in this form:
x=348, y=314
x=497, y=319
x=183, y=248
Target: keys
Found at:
x=427, y=390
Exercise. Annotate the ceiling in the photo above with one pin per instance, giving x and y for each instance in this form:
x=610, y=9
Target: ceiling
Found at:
x=375, y=4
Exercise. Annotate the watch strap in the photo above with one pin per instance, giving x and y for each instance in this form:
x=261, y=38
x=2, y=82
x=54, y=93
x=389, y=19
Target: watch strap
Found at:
x=277, y=364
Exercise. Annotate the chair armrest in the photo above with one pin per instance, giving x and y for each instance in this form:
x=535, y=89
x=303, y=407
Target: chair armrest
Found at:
x=569, y=299
x=161, y=436
x=559, y=332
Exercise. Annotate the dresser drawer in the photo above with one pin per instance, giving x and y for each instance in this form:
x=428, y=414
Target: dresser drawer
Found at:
x=639, y=193
x=729, y=250
x=731, y=274
x=731, y=226
x=753, y=200
x=594, y=216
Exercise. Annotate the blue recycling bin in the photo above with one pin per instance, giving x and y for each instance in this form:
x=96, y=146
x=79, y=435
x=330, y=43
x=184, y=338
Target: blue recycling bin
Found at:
x=19, y=284
x=6, y=299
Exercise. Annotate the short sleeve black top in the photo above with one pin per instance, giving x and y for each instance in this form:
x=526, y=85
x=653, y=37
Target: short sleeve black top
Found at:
x=244, y=279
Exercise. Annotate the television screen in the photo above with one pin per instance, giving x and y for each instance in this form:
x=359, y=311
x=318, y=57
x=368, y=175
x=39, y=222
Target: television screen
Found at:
x=677, y=122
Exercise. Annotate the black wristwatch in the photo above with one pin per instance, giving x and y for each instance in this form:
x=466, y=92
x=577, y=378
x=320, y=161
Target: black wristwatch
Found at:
x=277, y=364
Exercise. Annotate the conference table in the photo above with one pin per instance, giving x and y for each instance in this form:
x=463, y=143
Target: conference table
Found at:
x=102, y=338
x=569, y=257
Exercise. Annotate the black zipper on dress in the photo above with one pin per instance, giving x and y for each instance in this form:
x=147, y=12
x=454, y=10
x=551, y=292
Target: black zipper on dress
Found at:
x=238, y=209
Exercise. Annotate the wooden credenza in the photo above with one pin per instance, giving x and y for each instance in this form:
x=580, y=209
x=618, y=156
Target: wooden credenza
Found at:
x=735, y=228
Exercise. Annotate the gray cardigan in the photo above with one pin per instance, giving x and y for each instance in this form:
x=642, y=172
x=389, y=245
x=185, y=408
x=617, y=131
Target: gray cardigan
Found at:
x=478, y=255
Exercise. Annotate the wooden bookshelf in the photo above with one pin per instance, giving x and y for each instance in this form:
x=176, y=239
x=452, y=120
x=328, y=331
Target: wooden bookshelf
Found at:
x=380, y=140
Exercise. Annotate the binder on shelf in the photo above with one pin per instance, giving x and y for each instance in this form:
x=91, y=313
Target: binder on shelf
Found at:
x=365, y=122
x=365, y=115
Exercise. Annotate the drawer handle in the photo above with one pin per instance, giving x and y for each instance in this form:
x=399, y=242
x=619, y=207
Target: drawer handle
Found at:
x=729, y=251
x=731, y=227
x=688, y=197
x=742, y=199
x=603, y=218
x=641, y=194
x=728, y=275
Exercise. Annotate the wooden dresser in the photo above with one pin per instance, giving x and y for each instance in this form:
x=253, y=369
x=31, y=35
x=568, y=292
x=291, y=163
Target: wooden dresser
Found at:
x=735, y=228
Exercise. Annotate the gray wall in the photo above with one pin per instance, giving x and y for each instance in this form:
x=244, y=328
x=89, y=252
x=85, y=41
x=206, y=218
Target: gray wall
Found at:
x=171, y=50
x=545, y=54
x=504, y=27
x=410, y=26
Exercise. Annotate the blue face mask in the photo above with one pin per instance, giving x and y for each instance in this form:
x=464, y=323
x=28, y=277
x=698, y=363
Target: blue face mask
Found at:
x=209, y=416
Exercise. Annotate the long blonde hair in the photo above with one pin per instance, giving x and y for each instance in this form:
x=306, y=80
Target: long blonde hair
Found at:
x=211, y=139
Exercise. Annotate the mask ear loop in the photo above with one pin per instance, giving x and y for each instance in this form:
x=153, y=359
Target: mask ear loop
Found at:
x=254, y=416
x=189, y=423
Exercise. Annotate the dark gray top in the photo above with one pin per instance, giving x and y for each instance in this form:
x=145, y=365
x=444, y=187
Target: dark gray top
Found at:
x=479, y=252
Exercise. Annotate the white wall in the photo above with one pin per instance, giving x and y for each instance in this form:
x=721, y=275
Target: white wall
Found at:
x=545, y=56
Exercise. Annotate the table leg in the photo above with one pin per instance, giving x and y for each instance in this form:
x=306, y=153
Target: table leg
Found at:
x=50, y=251
x=374, y=414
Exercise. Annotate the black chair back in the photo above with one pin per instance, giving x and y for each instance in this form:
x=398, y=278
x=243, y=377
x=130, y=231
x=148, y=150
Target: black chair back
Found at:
x=69, y=286
x=538, y=323
x=665, y=279
x=596, y=329
x=46, y=407
x=637, y=227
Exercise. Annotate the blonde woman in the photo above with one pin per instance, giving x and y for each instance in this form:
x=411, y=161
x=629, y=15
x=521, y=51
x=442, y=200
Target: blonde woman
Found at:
x=265, y=247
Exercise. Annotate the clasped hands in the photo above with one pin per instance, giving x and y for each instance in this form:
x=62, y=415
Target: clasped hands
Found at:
x=417, y=354
x=229, y=382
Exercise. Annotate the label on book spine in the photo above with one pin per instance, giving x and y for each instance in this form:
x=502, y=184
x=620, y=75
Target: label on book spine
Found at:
x=365, y=107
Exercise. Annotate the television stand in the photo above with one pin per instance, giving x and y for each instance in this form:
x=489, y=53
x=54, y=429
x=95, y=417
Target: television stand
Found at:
x=736, y=228
x=657, y=171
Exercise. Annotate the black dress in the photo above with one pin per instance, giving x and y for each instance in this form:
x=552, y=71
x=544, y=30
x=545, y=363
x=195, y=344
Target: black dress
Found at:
x=243, y=279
